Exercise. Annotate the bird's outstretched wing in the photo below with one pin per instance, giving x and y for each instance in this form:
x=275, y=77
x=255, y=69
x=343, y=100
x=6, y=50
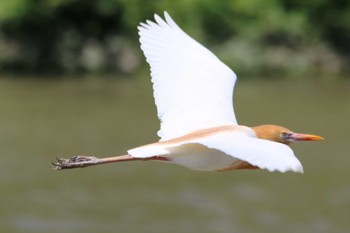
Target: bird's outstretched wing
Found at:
x=192, y=87
x=264, y=154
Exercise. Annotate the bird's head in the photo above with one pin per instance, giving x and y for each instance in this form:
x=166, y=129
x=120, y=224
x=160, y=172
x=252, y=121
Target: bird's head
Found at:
x=283, y=135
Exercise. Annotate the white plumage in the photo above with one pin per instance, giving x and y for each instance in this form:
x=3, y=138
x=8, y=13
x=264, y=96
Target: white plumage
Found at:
x=193, y=94
x=192, y=87
x=217, y=148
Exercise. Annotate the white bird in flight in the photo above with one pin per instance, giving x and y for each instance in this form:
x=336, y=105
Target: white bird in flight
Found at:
x=193, y=93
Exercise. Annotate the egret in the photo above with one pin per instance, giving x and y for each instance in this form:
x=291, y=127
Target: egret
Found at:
x=198, y=129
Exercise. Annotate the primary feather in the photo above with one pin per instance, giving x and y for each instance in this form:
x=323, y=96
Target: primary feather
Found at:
x=192, y=87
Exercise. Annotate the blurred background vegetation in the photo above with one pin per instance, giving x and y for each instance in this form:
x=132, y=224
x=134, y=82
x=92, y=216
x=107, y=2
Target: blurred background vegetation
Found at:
x=254, y=37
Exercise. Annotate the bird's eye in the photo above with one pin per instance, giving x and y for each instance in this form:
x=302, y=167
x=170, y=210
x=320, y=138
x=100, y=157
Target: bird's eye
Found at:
x=284, y=135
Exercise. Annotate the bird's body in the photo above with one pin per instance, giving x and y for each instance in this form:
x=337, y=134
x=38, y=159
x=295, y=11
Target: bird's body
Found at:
x=190, y=150
x=222, y=147
x=193, y=93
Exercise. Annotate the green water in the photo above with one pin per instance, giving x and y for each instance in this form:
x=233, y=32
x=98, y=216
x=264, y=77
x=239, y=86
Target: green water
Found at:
x=40, y=120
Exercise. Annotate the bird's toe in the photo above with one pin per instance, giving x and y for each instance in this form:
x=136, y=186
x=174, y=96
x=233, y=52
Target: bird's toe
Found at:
x=74, y=162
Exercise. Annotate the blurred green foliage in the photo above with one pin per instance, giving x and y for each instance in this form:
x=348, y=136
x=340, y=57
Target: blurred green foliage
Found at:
x=292, y=37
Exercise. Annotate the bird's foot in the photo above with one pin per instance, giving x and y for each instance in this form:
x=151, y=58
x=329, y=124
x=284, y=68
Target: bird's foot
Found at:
x=77, y=161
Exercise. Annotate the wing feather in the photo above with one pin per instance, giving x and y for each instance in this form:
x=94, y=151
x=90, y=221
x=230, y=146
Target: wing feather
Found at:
x=192, y=87
x=262, y=153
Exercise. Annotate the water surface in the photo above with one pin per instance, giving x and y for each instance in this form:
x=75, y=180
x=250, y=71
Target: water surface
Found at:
x=41, y=119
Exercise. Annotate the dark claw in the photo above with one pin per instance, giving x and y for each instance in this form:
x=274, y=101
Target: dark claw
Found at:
x=54, y=164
